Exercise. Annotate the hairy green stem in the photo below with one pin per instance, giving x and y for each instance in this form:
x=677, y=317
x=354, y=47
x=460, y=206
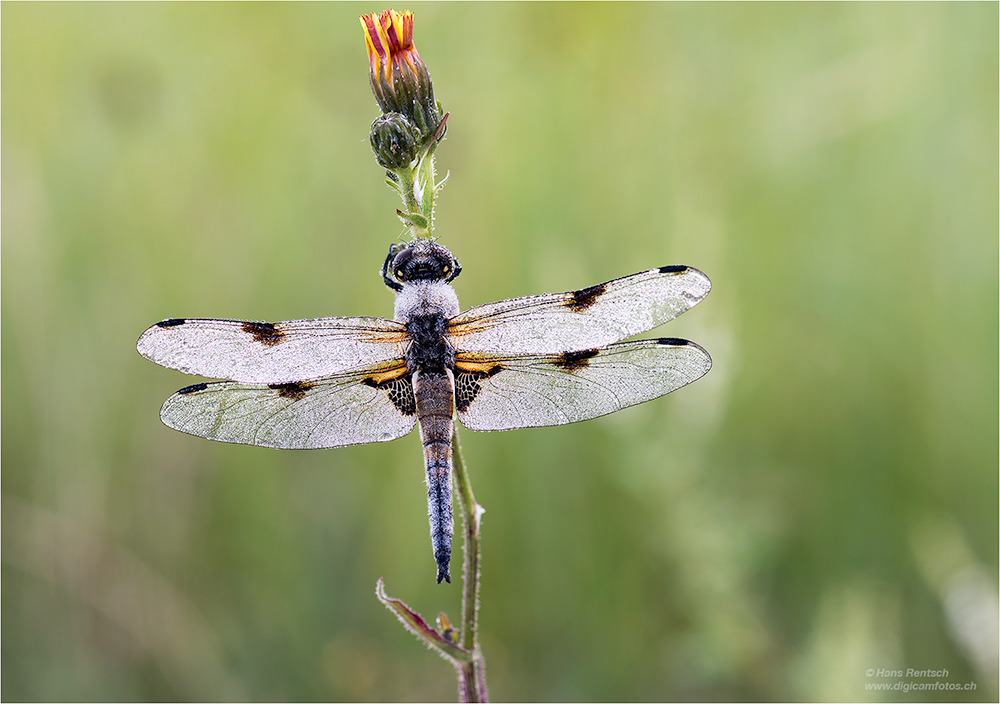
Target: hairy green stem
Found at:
x=424, y=189
x=417, y=186
x=472, y=674
x=417, y=199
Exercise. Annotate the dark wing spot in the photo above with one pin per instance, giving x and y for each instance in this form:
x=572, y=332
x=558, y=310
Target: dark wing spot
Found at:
x=583, y=299
x=401, y=395
x=264, y=333
x=172, y=322
x=468, y=386
x=572, y=361
x=399, y=390
x=673, y=269
x=293, y=389
x=193, y=388
x=672, y=341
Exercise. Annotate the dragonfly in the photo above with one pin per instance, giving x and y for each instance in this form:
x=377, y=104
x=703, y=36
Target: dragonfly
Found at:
x=533, y=361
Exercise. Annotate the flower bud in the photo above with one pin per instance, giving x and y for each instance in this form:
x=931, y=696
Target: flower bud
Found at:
x=395, y=140
x=399, y=78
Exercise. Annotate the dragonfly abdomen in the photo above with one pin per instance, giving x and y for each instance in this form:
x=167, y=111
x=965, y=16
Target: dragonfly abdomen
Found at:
x=435, y=394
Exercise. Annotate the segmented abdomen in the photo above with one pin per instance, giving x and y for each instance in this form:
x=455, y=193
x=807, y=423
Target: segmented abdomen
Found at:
x=435, y=392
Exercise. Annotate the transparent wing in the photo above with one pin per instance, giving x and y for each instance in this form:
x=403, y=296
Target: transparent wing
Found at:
x=500, y=392
x=271, y=353
x=591, y=317
x=374, y=405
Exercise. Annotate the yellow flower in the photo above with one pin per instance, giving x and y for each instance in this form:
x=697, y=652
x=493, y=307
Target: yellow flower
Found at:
x=399, y=78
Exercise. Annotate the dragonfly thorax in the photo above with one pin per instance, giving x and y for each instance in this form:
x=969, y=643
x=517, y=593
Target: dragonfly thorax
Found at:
x=429, y=350
x=425, y=298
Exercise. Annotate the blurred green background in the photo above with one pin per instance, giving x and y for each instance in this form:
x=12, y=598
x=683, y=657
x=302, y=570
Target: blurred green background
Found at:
x=825, y=501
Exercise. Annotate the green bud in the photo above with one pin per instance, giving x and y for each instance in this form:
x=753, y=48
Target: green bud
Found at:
x=395, y=140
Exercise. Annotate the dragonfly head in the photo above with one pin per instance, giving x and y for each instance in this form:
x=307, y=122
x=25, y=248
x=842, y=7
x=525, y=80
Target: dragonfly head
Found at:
x=421, y=260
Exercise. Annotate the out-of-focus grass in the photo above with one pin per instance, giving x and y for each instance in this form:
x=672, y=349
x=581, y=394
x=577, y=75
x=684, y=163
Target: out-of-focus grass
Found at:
x=824, y=502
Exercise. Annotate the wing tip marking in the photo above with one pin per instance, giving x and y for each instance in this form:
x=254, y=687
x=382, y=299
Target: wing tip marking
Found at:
x=200, y=386
x=695, y=288
x=267, y=334
x=171, y=322
x=674, y=342
x=679, y=342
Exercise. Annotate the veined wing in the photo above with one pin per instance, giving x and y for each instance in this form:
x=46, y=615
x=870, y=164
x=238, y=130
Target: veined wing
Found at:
x=591, y=317
x=272, y=353
x=503, y=392
x=354, y=408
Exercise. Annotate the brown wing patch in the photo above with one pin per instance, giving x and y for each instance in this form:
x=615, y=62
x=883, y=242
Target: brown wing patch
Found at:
x=399, y=389
x=392, y=337
x=384, y=373
x=571, y=361
x=468, y=363
x=583, y=299
x=469, y=327
x=293, y=389
x=396, y=382
x=265, y=333
x=468, y=383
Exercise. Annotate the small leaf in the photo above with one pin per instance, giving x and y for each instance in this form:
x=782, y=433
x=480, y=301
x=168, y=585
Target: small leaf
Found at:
x=415, y=623
x=439, y=132
x=414, y=219
x=445, y=627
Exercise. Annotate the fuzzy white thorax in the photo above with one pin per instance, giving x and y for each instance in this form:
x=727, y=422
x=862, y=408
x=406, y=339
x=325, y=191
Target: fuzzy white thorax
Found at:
x=426, y=298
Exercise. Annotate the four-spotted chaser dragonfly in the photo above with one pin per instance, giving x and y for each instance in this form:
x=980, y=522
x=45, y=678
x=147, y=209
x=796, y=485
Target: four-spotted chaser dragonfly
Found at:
x=524, y=362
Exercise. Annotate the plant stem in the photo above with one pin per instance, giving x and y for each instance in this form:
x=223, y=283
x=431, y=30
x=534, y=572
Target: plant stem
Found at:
x=424, y=184
x=471, y=675
x=418, y=187
x=414, y=201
